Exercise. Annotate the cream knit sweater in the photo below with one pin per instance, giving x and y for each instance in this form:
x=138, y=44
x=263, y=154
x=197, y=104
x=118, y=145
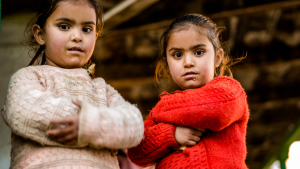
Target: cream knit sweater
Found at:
x=38, y=94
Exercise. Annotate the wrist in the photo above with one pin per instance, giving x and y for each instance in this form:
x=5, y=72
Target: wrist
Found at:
x=169, y=131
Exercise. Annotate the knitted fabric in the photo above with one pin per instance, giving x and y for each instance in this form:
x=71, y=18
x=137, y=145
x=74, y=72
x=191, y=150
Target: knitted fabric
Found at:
x=38, y=94
x=220, y=107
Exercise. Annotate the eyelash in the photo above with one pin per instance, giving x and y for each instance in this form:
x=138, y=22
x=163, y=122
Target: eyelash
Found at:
x=174, y=55
x=199, y=50
x=85, y=29
x=202, y=51
x=88, y=28
x=60, y=26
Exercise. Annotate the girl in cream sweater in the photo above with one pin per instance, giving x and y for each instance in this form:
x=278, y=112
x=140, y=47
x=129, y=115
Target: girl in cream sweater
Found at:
x=59, y=115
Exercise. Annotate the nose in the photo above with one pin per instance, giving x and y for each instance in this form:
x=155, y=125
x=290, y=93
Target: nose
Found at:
x=189, y=61
x=76, y=36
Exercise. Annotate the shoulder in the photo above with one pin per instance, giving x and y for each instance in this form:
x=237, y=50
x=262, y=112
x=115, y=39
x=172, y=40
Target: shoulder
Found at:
x=30, y=72
x=219, y=88
x=224, y=83
x=111, y=91
x=218, y=84
x=98, y=80
x=101, y=83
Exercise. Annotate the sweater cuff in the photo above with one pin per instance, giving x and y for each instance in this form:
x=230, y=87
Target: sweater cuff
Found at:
x=169, y=139
x=88, y=119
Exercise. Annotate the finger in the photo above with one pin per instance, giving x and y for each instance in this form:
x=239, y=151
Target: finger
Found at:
x=59, y=132
x=197, y=133
x=77, y=103
x=202, y=130
x=67, y=138
x=195, y=138
x=68, y=120
x=191, y=143
x=71, y=142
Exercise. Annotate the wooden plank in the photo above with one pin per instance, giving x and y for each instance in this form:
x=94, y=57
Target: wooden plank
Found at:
x=142, y=28
x=124, y=11
x=225, y=14
x=256, y=9
x=128, y=83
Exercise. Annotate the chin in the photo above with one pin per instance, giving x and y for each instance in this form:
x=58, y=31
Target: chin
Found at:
x=192, y=86
x=75, y=65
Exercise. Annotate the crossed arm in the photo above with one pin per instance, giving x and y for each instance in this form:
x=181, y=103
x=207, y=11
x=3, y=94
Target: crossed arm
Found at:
x=214, y=106
x=160, y=139
x=120, y=125
x=29, y=107
x=30, y=110
x=67, y=135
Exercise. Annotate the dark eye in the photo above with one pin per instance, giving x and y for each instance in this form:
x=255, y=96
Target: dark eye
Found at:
x=87, y=30
x=63, y=26
x=177, y=55
x=199, y=52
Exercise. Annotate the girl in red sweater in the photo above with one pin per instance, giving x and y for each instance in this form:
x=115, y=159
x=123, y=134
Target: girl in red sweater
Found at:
x=203, y=126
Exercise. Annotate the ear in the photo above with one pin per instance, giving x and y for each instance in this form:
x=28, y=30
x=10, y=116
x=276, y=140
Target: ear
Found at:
x=38, y=34
x=219, y=57
x=97, y=35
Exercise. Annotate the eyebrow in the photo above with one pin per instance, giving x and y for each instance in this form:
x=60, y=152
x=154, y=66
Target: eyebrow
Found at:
x=193, y=47
x=72, y=21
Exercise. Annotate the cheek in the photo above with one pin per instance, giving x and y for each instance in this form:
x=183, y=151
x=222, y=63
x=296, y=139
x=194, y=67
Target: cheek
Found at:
x=57, y=40
x=174, y=70
x=90, y=43
x=207, y=68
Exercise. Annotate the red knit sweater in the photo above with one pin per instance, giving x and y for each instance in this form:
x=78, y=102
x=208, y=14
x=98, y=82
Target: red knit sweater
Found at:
x=220, y=107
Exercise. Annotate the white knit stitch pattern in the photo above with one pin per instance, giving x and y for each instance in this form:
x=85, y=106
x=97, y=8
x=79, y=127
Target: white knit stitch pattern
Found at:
x=38, y=94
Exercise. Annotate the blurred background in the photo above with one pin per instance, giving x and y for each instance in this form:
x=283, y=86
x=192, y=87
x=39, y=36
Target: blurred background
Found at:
x=268, y=31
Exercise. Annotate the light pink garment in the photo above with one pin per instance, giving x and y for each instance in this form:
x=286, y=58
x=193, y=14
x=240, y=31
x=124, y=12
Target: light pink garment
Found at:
x=38, y=94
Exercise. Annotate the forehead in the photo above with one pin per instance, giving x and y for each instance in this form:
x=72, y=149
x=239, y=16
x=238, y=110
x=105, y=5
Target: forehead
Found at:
x=77, y=9
x=79, y=2
x=188, y=35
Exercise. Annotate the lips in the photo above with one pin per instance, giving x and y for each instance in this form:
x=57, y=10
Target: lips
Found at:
x=190, y=75
x=75, y=50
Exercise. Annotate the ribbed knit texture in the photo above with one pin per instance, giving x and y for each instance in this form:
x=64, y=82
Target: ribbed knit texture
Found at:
x=220, y=107
x=38, y=94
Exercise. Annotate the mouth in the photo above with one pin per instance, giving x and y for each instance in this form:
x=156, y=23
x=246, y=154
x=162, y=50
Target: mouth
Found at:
x=75, y=50
x=190, y=75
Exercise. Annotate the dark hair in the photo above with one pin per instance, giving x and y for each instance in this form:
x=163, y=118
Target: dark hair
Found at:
x=212, y=33
x=46, y=9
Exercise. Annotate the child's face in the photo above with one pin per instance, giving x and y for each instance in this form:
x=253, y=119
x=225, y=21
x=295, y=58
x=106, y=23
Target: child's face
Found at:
x=191, y=58
x=70, y=34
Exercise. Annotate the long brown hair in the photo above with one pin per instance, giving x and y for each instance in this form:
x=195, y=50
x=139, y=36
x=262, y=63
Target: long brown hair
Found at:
x=46, y=9
x=213, y=34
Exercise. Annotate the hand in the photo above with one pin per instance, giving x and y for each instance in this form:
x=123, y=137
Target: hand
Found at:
x=186, y=136
x=68, y=134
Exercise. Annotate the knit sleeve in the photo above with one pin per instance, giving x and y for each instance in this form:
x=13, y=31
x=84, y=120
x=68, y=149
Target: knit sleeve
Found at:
x=159, y=140
x=214, y=106
x=29, y=107
x=117, y=126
